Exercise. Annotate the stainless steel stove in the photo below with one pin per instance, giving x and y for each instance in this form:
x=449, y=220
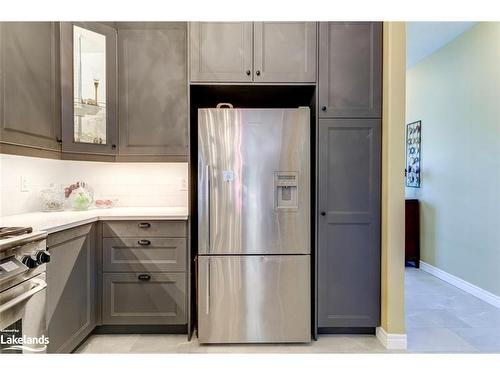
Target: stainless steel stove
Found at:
x=7, y=232
x=23, y=255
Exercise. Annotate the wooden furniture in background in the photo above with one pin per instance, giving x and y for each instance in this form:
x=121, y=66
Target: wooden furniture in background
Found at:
x=412, y=231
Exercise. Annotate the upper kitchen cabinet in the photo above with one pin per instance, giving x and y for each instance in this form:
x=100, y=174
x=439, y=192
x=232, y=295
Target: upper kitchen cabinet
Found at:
x=88, y=74
x=350, y=69
x=221, y=51
x=263, y=52
x=152, y=82
x=285, y=52
x=29, y=94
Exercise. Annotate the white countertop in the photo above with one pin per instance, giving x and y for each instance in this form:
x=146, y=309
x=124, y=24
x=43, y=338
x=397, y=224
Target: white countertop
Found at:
x=56, y=221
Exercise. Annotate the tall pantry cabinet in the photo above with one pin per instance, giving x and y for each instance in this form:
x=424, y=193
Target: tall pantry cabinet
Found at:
x=349, y=155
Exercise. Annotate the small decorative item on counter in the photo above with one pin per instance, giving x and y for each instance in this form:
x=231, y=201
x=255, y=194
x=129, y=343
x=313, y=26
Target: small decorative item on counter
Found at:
x=105, y=203
x=79, y=195
x=52, y=199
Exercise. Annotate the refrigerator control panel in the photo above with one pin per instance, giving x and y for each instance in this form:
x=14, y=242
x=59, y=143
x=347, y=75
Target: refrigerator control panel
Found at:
x=286, y=190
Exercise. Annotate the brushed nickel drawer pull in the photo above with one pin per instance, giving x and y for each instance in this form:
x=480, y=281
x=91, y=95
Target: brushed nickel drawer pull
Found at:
x=144, y=242
x=144, y=225
x=144, y=277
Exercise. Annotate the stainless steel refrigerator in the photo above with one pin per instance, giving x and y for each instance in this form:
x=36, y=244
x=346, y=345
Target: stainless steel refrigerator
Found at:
x=254, y=225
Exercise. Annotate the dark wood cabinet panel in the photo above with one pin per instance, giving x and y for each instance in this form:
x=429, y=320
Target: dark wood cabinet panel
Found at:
x=412, y=231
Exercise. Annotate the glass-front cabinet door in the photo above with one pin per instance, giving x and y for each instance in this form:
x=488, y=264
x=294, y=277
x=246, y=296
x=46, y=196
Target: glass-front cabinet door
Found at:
x=88, y=69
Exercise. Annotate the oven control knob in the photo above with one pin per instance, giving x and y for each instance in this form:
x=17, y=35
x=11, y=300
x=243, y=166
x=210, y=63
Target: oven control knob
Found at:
x=29, y=261
x=42, y=256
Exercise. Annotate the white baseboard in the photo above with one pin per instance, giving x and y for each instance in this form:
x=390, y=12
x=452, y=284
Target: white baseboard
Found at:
x=391, y=341
x=476, y=291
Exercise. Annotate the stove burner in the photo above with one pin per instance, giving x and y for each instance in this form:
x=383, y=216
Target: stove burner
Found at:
x=6, y=232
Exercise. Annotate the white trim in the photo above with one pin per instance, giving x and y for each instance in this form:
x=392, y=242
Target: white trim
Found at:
x=391, y=341
x=476, y=291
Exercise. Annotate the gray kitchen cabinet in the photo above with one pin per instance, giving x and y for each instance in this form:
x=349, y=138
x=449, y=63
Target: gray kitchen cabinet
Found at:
x=144, y=228
x=144, y=298
x=266, y=52
x=221, y=51
x=285, y=51
x=349, y=223
x=144, y=254
x=29, y=85
x=144, y=273
x=152, y=82
x=88, y=89
x=350, y=69
x=71, y=288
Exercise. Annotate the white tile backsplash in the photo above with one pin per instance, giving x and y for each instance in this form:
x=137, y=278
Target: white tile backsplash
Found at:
x=133, y=184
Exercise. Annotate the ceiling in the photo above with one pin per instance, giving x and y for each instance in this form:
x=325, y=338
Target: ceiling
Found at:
x=425, y=38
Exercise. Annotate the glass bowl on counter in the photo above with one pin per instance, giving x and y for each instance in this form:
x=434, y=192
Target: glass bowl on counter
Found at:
x=79, y=195
x=105, y=203
x=52, y=199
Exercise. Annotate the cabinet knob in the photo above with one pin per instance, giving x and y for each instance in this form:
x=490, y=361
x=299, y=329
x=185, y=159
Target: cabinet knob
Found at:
x=113, y=147
x=248, y=72
x=323, y=213
x=323, y=108
x=59, y=140
x=257, y=72
x=144, y=242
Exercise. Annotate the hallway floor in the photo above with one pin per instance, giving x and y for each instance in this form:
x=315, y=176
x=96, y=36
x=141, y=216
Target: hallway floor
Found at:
x=444, y=319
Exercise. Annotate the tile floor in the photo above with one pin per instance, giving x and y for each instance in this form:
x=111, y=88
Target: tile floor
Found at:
x=439, y=318
x=442, y=318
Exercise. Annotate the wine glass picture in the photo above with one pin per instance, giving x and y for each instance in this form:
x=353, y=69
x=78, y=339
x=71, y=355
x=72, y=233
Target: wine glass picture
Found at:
x=413, y=154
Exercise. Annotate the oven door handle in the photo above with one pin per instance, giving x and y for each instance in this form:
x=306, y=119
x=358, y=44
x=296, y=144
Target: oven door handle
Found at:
x=41, y=285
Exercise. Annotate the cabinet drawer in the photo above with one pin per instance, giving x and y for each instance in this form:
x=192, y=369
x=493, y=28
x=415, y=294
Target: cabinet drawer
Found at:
x=144, y=254
x=142, y=228
x=154, y=299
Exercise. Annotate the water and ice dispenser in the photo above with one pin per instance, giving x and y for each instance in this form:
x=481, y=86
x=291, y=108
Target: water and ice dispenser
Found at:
x=286, y=190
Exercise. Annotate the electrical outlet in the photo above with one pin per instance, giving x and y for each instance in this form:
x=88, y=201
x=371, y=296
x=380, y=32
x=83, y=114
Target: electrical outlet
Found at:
x=183, y=184
x=24, y=184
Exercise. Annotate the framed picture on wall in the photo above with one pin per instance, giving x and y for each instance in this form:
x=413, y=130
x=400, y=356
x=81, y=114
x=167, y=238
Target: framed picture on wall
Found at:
x=413, y=154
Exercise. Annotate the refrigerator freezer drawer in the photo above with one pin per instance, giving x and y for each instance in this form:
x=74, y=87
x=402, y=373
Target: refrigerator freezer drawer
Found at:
x=254, y=299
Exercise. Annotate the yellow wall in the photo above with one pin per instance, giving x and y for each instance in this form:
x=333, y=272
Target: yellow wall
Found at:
x=456, y=94
x=393, y=139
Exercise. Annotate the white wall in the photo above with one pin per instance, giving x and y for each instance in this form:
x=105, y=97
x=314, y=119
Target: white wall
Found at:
x=133, y=184
x=456, y=94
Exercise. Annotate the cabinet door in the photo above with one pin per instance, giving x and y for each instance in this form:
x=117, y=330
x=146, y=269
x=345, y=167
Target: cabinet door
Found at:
x=349, y=223
x=285, y=52
x=70, y=288
x=350, y=69
x=152, y=80
x=221, y=51
x=29, y=94
x=145, y=298
x=88, y=88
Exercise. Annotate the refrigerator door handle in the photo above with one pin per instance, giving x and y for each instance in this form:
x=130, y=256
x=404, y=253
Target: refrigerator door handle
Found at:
x=207, y=310
x=207, y=206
